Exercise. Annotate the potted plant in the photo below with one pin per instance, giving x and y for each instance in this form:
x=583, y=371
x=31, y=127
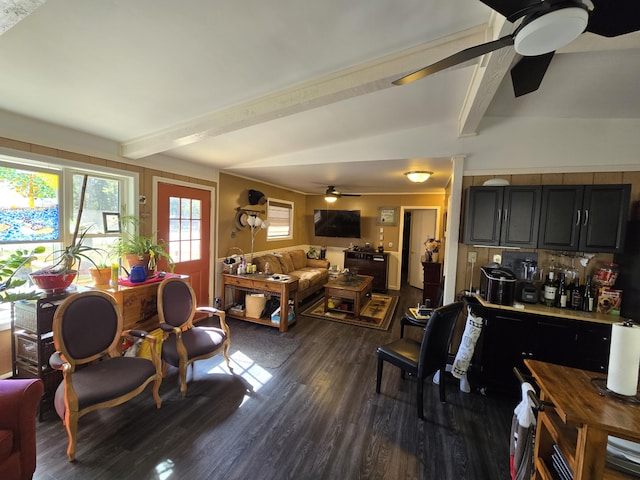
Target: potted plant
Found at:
x=8, y=282
x=101, y=274
x=135, y=248
x=63, y=272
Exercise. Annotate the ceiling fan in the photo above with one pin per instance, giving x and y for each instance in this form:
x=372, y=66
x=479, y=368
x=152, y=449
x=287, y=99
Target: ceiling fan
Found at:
x=331, y=195
x=546, y=26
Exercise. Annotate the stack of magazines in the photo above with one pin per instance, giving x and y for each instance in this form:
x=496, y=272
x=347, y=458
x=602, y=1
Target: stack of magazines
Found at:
x=623, y=455
x=560, y=464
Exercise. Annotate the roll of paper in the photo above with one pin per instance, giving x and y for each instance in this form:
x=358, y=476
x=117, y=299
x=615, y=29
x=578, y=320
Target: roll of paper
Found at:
x=624, y=359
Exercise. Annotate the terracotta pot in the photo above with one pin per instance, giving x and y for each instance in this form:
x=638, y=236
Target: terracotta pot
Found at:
x=131, y=259
x=101, y=276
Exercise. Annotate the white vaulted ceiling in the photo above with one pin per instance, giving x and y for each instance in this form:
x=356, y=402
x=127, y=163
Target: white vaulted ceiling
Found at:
x=299, y=93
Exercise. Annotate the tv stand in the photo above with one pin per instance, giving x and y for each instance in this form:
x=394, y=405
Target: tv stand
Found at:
x=372, y=264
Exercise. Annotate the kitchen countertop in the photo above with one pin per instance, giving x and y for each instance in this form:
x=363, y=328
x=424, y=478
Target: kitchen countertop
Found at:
x=540, y=309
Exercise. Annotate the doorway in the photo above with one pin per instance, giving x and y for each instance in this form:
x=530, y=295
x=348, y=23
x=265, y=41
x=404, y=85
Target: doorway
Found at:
x=184, y=220
x=420, y=223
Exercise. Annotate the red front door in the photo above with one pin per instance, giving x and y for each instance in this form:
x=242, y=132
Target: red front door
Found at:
x=184, y=222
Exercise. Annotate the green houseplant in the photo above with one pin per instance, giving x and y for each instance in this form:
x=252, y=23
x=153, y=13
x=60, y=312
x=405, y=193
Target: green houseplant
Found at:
x=8, y=282
x=63, y=272
x=136, y=248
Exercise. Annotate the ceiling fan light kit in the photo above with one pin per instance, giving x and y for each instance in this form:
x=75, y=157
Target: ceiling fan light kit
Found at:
x=546, y=26
x=551, y=31
x=330, y=198
x=418, y=176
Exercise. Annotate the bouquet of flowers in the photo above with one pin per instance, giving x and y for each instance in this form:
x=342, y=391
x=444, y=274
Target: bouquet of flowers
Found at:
x=433, y=246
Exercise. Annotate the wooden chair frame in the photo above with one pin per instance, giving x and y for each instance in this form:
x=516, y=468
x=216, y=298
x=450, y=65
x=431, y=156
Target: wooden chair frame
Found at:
x=63, y=360
x=168, y=329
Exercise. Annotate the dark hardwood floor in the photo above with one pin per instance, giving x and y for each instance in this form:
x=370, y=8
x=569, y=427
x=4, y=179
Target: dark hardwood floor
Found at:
x=317, y=416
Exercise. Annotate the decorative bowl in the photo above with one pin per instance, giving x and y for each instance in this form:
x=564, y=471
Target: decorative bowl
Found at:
x=53, y=282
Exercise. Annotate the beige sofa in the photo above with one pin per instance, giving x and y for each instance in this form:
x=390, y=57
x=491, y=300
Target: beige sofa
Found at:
x=313, y=273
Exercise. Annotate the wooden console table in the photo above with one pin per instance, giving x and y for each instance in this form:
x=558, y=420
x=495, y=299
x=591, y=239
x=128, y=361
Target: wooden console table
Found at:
x=260, y=283
x=578, y=420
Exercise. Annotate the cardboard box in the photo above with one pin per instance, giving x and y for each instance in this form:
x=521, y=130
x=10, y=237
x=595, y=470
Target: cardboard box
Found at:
x=609, y=301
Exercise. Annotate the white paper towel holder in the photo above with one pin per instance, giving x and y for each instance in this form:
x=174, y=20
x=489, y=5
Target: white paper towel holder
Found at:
x=601, y=383
x=601, y=386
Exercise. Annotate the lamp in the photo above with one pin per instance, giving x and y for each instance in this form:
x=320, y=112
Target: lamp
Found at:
x=256, y=224
x=329, y=197
x=418, y=176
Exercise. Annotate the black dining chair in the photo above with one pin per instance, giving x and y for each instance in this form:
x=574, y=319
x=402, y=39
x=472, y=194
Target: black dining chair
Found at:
x=426, y=357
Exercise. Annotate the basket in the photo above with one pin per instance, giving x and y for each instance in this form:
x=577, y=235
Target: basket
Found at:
x=229, y=266
x=254, y=304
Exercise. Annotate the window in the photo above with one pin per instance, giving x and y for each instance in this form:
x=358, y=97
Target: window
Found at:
x=29, y=205
x=40, y=202
x=280, y=217
x=185, y=224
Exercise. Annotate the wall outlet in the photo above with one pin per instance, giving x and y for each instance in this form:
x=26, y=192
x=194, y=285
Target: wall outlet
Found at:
x=472, y=257
x=497, y=258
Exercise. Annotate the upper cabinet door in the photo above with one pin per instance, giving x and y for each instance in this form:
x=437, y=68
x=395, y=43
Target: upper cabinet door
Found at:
x=507, y=216
x=561, y=217
x=605, y=209
x=520, y=216
x=482, y=215
x=590, y=218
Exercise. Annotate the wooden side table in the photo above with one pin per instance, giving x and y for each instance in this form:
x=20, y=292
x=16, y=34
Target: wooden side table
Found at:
x=578, y=422
x=261, y=283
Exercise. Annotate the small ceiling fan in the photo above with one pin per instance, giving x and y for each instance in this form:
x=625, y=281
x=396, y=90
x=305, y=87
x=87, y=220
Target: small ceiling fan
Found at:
x=331, y=195
x=546, y=26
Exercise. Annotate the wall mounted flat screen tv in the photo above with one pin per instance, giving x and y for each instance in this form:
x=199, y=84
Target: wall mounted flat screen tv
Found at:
x=337, y=223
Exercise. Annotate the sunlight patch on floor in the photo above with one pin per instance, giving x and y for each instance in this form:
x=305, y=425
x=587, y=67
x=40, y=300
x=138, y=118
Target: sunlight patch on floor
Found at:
x=246, y=368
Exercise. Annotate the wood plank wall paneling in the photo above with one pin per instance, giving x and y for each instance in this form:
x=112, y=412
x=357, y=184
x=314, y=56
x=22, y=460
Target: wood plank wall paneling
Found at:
x=466, y=276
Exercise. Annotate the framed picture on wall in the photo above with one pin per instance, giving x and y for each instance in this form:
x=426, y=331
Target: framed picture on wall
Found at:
x=111, y=222
x=388, y=216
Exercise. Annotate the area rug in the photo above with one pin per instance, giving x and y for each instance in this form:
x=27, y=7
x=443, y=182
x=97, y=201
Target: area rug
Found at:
x=376, y=314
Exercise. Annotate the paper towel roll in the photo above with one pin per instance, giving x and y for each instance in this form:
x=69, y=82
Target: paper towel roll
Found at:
x=624, y=359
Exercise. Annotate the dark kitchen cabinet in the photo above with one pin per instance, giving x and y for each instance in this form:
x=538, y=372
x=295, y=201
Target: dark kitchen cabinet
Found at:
x=373, y=264
x=506, y=216
x=509, y=337
x=586, y=218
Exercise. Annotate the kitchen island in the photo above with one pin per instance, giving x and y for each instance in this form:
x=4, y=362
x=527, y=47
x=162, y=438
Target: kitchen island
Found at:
x=556, y=335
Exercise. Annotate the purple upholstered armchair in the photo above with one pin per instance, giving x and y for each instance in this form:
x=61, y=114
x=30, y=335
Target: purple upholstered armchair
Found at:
x=19, y=400
x=185, y=343
x=87, y=333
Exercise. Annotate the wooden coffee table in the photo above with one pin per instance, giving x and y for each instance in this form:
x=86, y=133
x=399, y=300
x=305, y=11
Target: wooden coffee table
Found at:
x=354, y=290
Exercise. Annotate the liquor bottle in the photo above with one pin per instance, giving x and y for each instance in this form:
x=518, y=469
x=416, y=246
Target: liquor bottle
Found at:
x=550, y=290
x=587, y=297
x=561, y=293
x=576, y=295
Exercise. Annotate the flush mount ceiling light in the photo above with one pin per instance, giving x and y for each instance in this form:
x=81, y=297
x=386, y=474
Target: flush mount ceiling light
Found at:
x=418, y=176
x=12, y=11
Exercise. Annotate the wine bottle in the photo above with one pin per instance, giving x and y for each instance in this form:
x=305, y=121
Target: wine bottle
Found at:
x=550, y=290
x=576, y=295
x=587, y=297
x=562, y=292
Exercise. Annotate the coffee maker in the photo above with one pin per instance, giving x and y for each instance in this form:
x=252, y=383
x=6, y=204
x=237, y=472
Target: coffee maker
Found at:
x=526, y=290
